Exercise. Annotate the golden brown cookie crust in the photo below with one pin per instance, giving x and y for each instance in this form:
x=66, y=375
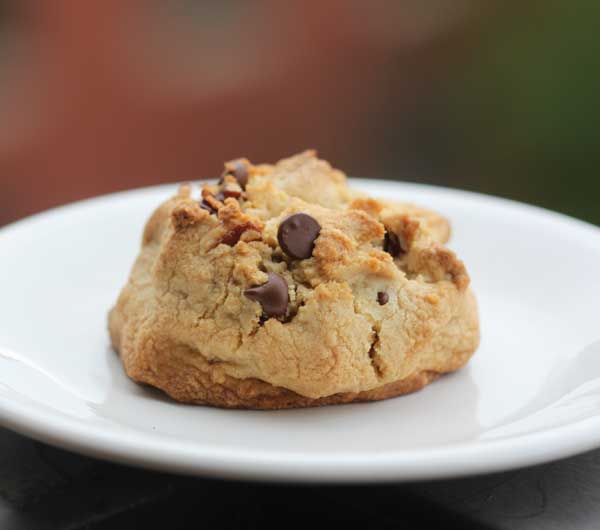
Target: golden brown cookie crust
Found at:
x=190, y=384
x=183, y=324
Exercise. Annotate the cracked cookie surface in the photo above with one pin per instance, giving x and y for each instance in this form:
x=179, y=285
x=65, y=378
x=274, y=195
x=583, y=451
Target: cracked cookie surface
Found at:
x=376, y=305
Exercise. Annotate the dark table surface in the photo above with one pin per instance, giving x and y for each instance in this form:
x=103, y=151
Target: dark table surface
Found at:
x=46, y=488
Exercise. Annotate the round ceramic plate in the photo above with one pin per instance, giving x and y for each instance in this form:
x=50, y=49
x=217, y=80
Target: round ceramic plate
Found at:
x=530, y=394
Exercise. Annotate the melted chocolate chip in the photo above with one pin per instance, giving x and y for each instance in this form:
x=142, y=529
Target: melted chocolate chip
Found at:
x=273, y=296
x=382, y=298
x=296, y=235
x=239, y=169
x=393, y=245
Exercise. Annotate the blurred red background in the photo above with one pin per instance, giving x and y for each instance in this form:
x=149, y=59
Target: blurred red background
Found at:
x=102, y=96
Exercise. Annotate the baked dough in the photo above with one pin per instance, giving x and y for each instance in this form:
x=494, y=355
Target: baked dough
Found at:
x=376, y=306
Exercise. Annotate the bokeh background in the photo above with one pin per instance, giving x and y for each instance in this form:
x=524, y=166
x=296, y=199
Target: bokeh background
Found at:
x=498, y=96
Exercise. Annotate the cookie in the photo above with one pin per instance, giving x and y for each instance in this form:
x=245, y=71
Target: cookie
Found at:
x=281, y=286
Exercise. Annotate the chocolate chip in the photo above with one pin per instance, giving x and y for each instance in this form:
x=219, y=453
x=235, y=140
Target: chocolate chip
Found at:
x=205, y=206
x=297, y=234
x=208, y=202
x=239, y=169
x=273, y=296
x=382, y=298
x=393, y=245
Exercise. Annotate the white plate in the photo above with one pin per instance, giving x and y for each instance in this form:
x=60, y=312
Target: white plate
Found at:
x=530, y=394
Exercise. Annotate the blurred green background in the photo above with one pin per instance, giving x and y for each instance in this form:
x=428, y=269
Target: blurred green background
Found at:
x=527, y=111
x=497, y=97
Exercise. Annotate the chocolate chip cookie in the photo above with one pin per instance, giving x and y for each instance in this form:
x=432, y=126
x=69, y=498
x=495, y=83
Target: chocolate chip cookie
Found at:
x=281, y=286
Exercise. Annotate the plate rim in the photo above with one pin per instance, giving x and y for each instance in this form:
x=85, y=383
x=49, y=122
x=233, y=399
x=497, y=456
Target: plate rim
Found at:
x=187, y=457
